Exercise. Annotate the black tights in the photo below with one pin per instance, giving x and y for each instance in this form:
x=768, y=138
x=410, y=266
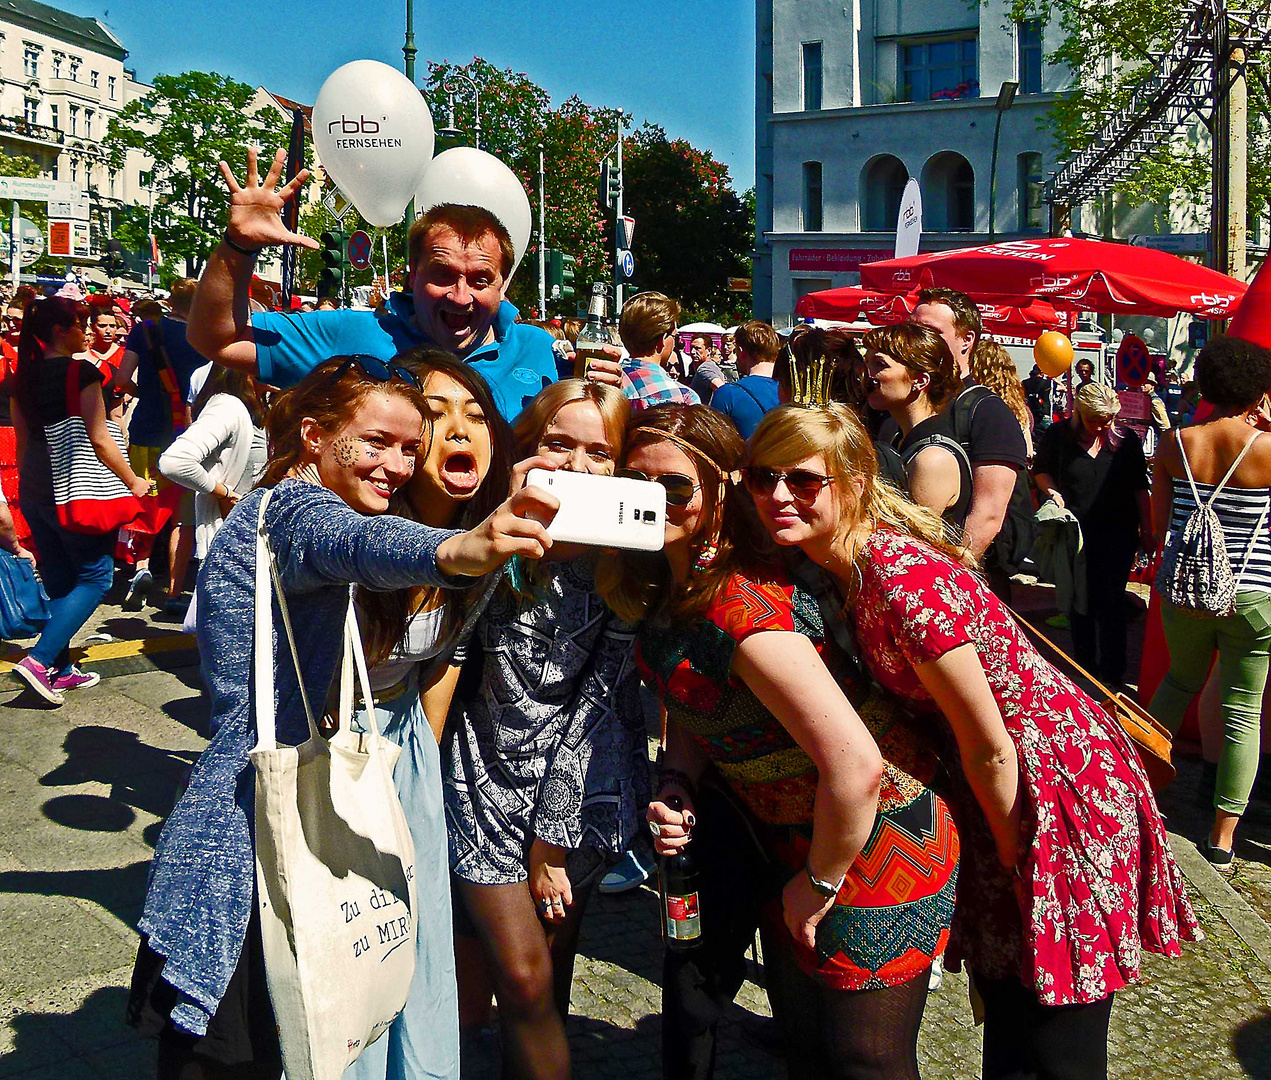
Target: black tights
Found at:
x=532, y=967
x=1026, y=1040
x=844, y=1034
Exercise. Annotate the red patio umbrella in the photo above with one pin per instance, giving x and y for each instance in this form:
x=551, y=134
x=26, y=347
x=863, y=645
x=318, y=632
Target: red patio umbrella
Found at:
x=1025, y=318
x=1082, y=275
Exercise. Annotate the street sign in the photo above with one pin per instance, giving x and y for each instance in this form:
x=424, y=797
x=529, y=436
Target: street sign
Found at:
x=335, y=202
x=359, y=250
x=626, y=263
x=1196, y=243
x=75, y=209
x=626, y=231
x=30, y=243
x=23, y=188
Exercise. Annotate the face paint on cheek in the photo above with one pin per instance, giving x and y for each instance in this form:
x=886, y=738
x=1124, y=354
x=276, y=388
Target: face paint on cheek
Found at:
x=347, y=450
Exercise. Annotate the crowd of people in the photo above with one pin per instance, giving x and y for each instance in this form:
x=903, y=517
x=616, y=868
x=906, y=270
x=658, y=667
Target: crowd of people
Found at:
x=874, y=767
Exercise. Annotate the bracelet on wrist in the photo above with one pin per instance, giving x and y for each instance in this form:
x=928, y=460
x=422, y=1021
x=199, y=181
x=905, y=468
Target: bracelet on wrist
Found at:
x=681, y=779
x=251, y=253
x=828, y=889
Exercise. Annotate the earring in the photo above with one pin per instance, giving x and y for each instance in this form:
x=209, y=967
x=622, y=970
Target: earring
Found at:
x=707, y=556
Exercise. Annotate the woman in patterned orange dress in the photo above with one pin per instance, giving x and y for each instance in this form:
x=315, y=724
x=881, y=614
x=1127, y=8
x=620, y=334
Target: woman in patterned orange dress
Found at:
x=853, y=847
x=1067, y=877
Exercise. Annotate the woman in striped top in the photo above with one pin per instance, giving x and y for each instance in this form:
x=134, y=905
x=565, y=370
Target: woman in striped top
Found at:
x=1235, y=377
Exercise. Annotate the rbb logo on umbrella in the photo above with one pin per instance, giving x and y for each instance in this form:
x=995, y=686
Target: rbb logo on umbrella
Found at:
x=359, y=250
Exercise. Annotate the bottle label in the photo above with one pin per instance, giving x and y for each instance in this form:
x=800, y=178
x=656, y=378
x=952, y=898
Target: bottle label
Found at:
x=683, y=920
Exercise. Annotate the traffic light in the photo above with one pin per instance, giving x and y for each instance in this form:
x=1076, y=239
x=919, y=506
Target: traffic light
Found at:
x=560, y=274
x=334, y=261
x=610, y=184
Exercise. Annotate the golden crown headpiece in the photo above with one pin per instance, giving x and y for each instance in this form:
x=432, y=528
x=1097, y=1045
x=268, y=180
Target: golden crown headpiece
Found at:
x=811, y=381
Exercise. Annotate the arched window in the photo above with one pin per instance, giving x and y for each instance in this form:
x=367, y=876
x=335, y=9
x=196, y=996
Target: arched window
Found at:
x=883, y=183
x=948, y=194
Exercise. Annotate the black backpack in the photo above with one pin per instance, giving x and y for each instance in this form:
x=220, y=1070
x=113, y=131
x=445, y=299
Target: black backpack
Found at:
x=1019, y=526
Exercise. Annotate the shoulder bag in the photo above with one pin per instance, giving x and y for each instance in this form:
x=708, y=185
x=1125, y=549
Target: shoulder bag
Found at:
x=335, y=863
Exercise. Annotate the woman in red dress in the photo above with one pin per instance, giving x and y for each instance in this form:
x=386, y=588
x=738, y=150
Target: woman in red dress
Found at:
x=1067, y=877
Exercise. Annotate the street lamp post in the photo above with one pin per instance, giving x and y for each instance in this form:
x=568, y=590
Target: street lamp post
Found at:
x=408, y=55
x=1005, y=99
x=450, y=131
x=542, y=239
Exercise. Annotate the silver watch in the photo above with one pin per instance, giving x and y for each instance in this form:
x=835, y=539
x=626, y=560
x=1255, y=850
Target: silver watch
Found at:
x=828, y=889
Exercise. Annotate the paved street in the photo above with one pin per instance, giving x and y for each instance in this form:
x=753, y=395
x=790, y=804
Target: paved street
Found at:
x=83, y=790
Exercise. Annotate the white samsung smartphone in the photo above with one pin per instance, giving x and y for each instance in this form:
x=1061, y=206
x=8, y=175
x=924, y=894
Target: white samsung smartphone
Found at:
x=604, y=511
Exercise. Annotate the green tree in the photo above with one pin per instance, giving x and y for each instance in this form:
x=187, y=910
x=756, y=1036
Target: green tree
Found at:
x=1108, y=46
x=693, y=231
x=187, y=124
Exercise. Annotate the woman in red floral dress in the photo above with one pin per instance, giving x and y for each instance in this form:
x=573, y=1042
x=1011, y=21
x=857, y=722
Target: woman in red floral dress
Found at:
x=1067, y=877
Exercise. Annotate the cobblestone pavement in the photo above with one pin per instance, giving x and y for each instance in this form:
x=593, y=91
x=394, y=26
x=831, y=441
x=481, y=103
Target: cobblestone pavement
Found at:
x=83, y=789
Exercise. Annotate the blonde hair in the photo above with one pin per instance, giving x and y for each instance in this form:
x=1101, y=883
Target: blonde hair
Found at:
x=791, y=434
x=992, y=366
x=1095, y=399
x=181, y=295
x=614, y=408
x=646, y=319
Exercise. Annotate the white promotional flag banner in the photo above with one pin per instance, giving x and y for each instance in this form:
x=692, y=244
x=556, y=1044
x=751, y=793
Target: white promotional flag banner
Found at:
x=335, y=863
x=909, y=221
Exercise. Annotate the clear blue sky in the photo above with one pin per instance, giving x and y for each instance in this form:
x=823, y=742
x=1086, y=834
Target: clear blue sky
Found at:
x=688, y=66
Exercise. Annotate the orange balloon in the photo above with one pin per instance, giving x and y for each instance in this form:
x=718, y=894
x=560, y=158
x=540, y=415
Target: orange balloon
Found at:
x=1053, y=353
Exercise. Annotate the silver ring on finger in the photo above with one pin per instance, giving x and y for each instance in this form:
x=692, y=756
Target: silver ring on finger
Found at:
x=545, y=904
x=655, y=829
x=558, y=902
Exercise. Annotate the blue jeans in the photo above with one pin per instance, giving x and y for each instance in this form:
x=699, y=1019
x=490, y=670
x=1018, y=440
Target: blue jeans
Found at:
x=77, y=569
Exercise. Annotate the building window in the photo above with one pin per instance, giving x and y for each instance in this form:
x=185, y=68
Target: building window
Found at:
x=31, y=110
x=811, y=75
x=74, y=119
x=1032, y=211
x=1029, y=37
x=88, y=123
x=112, y=183
x=75, y=63
x=110, y=86
x=143, y=179
x=74, y=170
x=811, y=196
x=58, y=60
x=94, y=77
x=883, y=186
x=31, y=61
x=53, y=172
x=941, y=70
x=948, y=193
x=53, y=110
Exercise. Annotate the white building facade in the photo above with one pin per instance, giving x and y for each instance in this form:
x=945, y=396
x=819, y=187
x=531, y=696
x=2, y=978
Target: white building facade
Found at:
x=853, y=99
x=62, y=79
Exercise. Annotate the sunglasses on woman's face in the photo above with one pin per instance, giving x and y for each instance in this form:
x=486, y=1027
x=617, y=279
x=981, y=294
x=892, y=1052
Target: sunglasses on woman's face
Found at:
x=375, y=368
x=803, y=484
x=679, y=488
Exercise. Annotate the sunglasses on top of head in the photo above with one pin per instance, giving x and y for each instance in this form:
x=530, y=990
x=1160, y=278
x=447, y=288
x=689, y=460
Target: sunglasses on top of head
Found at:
x=803, y=484
x=375, y=368
x=679, y=488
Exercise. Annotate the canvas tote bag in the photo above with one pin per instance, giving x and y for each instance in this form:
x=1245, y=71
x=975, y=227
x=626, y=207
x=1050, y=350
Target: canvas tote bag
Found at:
x=335, y=863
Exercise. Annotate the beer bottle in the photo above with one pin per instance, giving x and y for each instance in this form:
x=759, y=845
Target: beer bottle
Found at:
x=595, y=334
x=678, y=885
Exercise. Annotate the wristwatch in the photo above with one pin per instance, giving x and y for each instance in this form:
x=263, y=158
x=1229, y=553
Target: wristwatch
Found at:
x=828, y=889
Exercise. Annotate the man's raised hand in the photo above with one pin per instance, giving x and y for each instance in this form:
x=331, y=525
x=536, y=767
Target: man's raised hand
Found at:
x=255, y=208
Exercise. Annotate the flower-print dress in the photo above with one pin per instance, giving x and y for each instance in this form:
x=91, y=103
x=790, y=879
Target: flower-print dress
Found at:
x=1098, y=883
x=891, y=917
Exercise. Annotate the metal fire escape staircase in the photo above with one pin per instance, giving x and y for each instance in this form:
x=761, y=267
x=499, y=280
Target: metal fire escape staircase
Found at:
x=1185, y=82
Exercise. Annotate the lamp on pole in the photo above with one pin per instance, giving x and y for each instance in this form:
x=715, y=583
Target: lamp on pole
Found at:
x=1005, y=99
x=408, y=55
x=451, y=87
x=542, y=239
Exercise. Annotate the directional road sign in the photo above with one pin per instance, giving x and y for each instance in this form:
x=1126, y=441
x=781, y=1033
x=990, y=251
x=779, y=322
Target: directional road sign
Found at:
x=359, y=250
x=626, y=263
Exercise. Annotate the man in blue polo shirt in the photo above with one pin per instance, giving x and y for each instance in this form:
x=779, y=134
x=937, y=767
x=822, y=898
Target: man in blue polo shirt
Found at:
x=460, y=259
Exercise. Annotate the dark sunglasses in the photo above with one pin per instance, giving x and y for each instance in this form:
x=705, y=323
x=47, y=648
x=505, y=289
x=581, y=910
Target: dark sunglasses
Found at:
x=679, y=488
x=375, y=368
x=804, y=484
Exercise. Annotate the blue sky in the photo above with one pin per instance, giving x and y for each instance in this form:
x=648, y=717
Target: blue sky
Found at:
x=688, y=66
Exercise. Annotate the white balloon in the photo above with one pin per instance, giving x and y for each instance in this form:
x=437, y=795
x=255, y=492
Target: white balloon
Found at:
x=471, y=177
x=374, y=136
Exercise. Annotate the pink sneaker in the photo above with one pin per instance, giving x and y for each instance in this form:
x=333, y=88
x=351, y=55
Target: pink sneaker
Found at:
x=75, y=679
x=38, y=678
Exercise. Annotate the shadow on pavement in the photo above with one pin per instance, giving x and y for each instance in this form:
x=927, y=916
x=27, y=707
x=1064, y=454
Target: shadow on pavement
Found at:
x=619, y=929
x=46, y=1041
x=1252, y=1045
